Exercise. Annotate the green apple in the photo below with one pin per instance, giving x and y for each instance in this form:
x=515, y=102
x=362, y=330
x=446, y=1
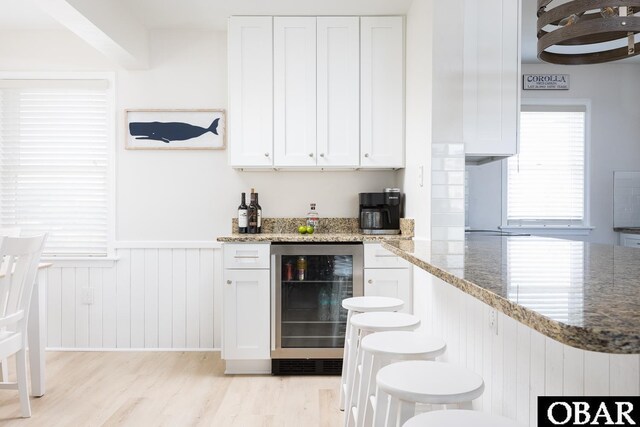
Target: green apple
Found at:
x=303, y=229
x=309, y=229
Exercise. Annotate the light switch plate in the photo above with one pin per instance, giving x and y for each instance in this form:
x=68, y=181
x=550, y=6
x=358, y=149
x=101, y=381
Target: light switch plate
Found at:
x=86, y=296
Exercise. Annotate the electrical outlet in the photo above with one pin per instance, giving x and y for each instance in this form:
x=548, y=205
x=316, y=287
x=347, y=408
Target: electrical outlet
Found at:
x=86, y=296
x=493, y=321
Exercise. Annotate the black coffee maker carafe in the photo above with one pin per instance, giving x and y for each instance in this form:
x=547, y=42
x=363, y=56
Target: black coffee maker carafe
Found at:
x=380, y=212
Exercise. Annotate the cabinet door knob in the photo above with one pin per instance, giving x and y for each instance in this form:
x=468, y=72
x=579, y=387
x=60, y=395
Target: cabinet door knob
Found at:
x=370, y=281
x=266, y=154
x=310, y=154
x=228, y=282
x=366, y=154
x=321, y=154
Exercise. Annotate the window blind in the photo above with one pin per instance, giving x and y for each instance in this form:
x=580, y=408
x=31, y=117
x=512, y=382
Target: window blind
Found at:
x=546, y=180
x=550, y=282
x=54, y=163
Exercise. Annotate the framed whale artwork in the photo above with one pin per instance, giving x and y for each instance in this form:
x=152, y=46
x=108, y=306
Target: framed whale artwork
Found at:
x=175, y=129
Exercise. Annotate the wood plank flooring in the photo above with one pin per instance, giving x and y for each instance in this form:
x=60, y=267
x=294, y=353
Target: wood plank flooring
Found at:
x=170, y=389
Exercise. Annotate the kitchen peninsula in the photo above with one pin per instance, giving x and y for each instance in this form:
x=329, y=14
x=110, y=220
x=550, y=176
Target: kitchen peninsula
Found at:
x=534, y=316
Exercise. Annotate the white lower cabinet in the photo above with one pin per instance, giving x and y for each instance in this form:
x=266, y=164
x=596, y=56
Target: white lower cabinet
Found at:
x=246, y=327
x=387, y=275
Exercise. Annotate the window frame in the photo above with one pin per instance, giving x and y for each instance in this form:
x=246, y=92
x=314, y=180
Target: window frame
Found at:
x=111, y=152
x=549, y=228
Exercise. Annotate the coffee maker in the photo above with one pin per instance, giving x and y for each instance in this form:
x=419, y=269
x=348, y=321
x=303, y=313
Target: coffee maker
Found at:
x=380, y=212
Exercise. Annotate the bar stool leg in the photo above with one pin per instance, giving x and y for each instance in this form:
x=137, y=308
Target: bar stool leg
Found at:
x=353, y=386
x=345, y=359
x=392, y=412
x=407, y=410
x=382, y=403
x=361, y=392
x=369, y=391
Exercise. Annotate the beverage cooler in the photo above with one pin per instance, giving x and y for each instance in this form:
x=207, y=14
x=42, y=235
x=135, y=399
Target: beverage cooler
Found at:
x=309, y=283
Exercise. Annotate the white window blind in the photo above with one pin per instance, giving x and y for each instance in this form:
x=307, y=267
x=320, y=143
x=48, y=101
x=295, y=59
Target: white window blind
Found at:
x=546, y=180
x=54, y=139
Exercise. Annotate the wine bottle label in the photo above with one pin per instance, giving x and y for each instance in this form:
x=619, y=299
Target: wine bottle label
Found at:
x=242, y=218
x=260, y=218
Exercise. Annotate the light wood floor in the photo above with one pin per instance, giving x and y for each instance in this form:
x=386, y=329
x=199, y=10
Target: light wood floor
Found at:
x=170, y=389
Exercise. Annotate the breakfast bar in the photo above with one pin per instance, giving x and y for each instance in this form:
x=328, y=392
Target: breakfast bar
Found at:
x=534, y=316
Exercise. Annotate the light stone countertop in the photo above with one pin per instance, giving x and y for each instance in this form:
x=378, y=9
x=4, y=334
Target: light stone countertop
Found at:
x=308, y=238
x=580, y=294
x=627, y=230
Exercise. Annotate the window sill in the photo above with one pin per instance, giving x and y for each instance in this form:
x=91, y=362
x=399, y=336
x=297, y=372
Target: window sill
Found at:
x=101, y=262
x=550, y=230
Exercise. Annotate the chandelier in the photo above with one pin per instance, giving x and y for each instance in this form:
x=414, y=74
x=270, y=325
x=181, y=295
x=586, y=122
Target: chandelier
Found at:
x=598, y=30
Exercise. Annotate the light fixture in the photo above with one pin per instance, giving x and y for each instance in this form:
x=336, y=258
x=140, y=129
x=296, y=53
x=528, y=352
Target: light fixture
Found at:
x=595, y=24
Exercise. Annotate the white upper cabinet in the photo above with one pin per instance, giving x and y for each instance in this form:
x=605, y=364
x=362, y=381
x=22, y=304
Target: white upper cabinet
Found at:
x=382, y=92
x=250, y=91
x=491, y=103
x=316, y=92
x=294, y=89
x=338, y=90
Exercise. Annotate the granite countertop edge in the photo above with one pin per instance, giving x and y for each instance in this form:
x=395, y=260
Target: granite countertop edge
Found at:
x=309, y=238
x=590, y=339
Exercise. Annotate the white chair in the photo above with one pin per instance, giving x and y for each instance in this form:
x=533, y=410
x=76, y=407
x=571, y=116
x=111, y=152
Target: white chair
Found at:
x=354, y=306
x=364, y=324
x=21, y=255
x=381, y=349
x=401, y=385
x=459, y=418
x=6, y=232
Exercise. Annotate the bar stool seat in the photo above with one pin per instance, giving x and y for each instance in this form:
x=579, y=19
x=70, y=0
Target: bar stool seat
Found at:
x=354, y=306
x=369, y=304
x=380, y=349
x=417, y=381
x=459, y=418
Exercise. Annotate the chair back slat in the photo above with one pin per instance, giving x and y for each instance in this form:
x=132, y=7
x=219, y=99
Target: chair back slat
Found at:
x=22, y=255
x=4, y=262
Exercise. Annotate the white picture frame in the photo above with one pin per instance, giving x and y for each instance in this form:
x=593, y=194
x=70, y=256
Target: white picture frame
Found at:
x=181, y=129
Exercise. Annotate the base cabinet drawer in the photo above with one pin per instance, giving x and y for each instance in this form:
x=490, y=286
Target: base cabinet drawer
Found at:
x=375, y=256
x=630, y=242
x=395, y=283
x=246, y=255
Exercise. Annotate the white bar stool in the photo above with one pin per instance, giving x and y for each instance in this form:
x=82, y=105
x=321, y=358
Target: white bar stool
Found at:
x=401, y=385
x=379, y=350
x=364, y=324
x=353, y=306
x=459, y=418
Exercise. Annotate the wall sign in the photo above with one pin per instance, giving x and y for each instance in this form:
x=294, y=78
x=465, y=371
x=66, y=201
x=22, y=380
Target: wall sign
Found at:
x=545, y=82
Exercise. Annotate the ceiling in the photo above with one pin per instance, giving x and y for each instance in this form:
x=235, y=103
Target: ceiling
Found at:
x=212, y=14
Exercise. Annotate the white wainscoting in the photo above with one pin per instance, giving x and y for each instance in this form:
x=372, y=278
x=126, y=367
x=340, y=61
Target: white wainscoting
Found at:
x=158, y=297
x=518, y=364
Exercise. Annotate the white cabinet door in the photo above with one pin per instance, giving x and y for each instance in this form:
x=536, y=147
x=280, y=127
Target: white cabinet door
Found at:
x=246, y=331
x=491, y=54
x=338, y=71
x=395, y=283
x=382, y=92
x=250, y=91
x=294, y=86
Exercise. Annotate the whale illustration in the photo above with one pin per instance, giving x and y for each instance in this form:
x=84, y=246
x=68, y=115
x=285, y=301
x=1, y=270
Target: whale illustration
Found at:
x=169, y=131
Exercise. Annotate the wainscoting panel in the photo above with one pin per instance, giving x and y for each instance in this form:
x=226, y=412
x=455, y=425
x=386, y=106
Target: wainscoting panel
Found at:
x=517, y=363
x=150, y=298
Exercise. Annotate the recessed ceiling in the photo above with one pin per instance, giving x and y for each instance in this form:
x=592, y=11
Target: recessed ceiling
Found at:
x=213, y=14
x=202, y=14
x=25, y=15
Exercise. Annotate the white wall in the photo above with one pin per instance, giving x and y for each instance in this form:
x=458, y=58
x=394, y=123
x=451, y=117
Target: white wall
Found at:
x=614, y=145
x=419, y=83
x=164, y=290
x=184, y=195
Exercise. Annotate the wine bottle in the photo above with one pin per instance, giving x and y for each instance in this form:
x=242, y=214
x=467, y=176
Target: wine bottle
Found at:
x=242, y=215
x=259, y=214
x=252, y=214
